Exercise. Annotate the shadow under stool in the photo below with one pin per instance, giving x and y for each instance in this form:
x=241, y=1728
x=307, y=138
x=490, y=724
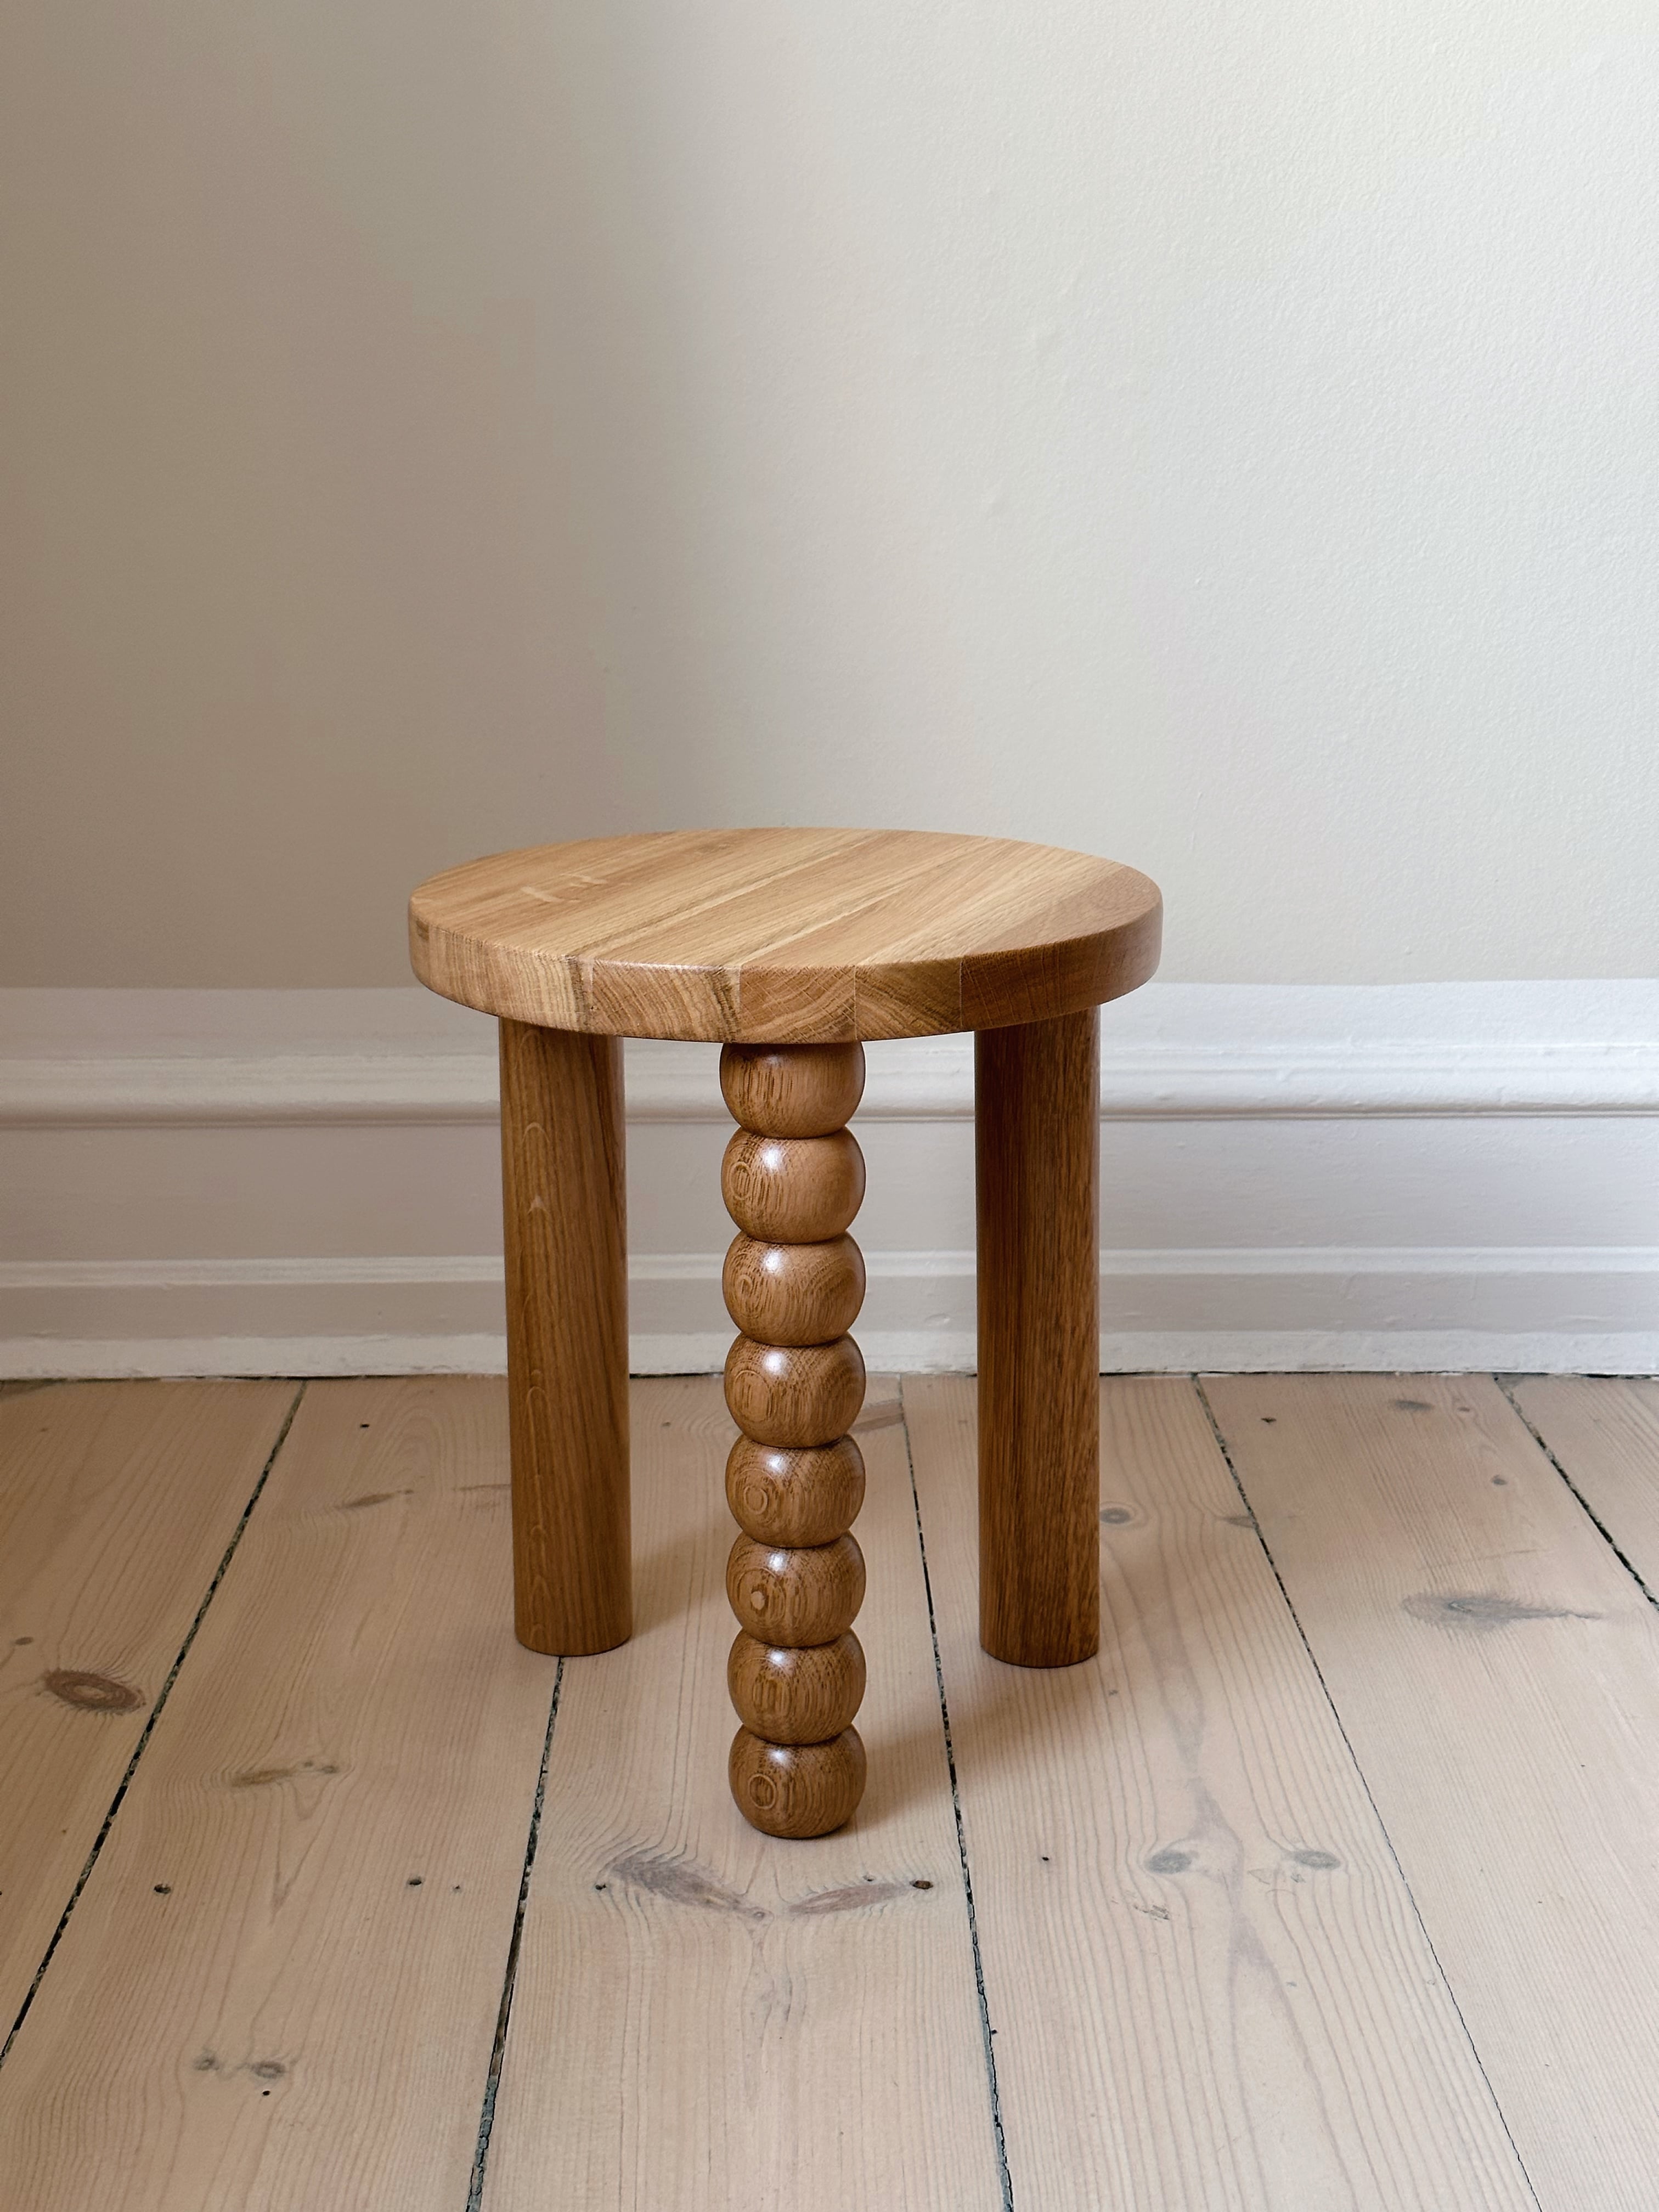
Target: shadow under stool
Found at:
x=790, y=948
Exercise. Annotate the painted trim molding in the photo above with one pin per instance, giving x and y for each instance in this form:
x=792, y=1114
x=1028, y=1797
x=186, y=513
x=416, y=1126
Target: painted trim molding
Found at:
x=1171, y=1050
x=1445, y=1176
x=1141, y=1292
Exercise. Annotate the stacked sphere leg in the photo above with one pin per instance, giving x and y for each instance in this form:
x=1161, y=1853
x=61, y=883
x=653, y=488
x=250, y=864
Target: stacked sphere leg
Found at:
x=792, y=1179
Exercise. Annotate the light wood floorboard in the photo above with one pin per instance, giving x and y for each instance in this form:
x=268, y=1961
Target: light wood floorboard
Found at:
x=254, y=2006
x=117, y=1501
x=1209, y=1981
x=1498, y=1674
x=1604, y=1430
x=1209, y=1986
x=704, y=2018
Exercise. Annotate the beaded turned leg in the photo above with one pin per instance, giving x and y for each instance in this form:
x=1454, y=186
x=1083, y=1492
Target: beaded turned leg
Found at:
x=792, y=1179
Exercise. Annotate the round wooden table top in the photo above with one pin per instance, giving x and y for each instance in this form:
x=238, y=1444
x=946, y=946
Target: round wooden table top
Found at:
x=785, y=936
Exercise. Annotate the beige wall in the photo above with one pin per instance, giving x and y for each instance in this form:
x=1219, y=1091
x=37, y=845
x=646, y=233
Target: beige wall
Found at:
x=1225, y=438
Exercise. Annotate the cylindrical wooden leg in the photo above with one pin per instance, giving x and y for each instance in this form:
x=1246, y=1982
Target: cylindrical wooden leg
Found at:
x=1037, y=1139
x=564, y=1197
x=793, y=1179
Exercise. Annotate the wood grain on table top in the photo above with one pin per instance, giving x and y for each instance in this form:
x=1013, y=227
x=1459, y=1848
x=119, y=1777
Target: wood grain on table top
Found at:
x=785, y=935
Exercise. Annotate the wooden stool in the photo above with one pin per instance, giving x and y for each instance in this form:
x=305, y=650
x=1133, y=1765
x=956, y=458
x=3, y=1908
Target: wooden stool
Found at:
x=789, y=947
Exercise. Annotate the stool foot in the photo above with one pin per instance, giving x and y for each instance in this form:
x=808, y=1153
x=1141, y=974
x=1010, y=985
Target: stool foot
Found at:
x=792, y=1179
x=1037, y=1142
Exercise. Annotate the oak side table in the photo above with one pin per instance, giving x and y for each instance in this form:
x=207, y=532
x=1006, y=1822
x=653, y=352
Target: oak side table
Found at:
x=790, y=947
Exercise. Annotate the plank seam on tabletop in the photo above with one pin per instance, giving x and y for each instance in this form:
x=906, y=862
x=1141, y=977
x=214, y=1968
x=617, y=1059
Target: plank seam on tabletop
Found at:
x=504, y=2014
x=1597, y=1523
x=154, y=1715
x=1222, y=1446
x=986, y=2031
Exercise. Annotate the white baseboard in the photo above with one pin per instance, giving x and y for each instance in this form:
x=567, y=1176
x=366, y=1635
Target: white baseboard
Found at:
x=304, y=1182
x=1163, y=1310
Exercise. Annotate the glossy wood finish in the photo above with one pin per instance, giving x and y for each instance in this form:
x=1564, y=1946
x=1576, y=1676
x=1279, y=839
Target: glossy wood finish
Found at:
x=794, y=1293
x=794, y=1091
x=804, y=1694
x=1037, y=1150
x=784, y=935
x=795, y=1393
x=796, y=1674
x=790, y=946
x=793, y=1595
x=564, y=1200
x=797, y=1789
x=793, y=1190
x=806, y=1496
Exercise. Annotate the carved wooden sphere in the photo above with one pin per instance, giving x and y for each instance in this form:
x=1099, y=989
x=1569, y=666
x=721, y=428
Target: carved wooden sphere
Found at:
x=803, y=1394
x=797, y=1789
x=794, y=1293
x=792, y=1596
x=792, y=1090
x=796, y=1694
x=793, y=1190
x=804, y=1496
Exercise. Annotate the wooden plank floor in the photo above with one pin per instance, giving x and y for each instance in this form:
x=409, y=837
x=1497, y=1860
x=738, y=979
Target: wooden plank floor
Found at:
x=280, y=1984
x=1334, y=1882
x=1497, y=1671
x=1603, y=1433
x=1176, y=1836
x=795, y=2025
x=117, y=1502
